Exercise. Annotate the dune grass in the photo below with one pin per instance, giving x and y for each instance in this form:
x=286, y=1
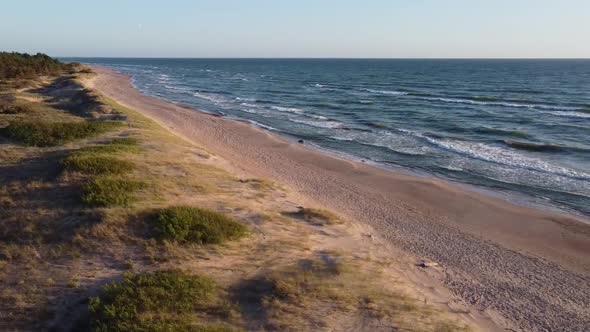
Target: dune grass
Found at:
x=96, y=164
x=189, y=224
x=161, y=301
x=105, y=192
x=124, y=145
x=47, y=133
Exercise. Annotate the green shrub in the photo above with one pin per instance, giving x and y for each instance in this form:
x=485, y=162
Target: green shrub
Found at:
x=94, y=164
x=103, y=192
x=45, y=133
x=127, y=144
x=189, y=224
x=161, y=301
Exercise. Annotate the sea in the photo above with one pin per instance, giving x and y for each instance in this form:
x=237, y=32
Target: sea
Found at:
x=516, y=128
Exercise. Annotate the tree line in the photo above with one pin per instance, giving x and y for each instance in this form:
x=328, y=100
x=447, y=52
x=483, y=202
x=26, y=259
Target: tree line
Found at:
x=15, y=65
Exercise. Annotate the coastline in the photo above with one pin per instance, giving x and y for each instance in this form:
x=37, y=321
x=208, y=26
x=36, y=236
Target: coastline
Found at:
x=495, y=255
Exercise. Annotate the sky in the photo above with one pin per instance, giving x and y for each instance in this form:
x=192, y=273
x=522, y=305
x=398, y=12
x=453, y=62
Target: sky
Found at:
x=298, y=28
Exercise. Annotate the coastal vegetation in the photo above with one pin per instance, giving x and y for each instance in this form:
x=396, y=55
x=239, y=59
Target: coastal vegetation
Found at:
x=46, y=133
x=162, y=301
x=106, y=191
x=190, y=224
x=110, y=222
x=25, y=66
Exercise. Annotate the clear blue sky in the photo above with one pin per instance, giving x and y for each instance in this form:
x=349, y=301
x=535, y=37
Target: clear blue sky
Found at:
x=298, y=28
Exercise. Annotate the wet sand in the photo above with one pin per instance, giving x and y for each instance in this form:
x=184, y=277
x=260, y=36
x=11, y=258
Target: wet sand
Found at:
x=530, y=266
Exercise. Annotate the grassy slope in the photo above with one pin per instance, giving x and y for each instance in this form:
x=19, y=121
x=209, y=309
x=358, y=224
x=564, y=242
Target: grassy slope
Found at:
x=56, y=250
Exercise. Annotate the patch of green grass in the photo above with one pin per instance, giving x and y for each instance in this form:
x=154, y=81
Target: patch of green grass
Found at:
x=96, y=164
x=46, y=133
x=125, y=144
x=125, y=141
x=190, y=224
x=104, y=192
x=161, y=301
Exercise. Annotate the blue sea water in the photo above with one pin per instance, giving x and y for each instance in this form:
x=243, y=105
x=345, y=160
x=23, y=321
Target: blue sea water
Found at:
x=513, y=126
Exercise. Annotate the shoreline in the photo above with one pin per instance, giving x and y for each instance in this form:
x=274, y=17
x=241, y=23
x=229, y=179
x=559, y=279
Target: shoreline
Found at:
x=488, y=248
x=510, y=196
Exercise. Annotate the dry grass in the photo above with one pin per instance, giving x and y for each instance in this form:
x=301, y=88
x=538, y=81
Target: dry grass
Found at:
x=57, y=250
x=316, y=217
x=330, y=290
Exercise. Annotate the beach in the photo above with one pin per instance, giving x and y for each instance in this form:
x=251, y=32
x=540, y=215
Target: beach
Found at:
x=526, y=266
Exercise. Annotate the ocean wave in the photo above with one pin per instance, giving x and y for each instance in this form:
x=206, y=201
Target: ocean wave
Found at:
x=398, y=143
x=262, y=125
x=537, y=147
x=249, y=105
x=170, y=87
x=319, y=124
x=251, y=100
x=315, y=116
x=287, y=109
x=505, y=157
x=209, y=97
x=451, y=168
x=324, y=105
x=570, y=114
x=387, y=92
x=250, y=110
x=500, y=131
x=501, y=104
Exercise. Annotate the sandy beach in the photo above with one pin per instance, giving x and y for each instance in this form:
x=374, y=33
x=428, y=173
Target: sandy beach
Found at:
x=526, y=266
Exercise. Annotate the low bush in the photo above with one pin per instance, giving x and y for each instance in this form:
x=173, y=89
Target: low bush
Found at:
x=161, y=301
x=189, y=224
x=104, y=192
x=45, y=133
x=95, y=164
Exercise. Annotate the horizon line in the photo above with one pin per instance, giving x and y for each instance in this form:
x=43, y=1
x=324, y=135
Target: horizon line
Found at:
x=325, y=58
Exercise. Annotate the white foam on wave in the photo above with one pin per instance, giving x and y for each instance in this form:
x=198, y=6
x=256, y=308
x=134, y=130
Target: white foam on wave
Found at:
x=209, y=97
x=400, y=143
x=319, y=117
x=287, y=109
x=319, y=124
x=387, y=92
x=505, y=157
x=251, y=100
x=500, y=103
x=249, y=105
x=249, y=110
x=175, y=88
x=570, y=114
x=262, y=125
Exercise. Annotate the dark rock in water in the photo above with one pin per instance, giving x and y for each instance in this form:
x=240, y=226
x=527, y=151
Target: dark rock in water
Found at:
x=363, y=161
x=300, y=141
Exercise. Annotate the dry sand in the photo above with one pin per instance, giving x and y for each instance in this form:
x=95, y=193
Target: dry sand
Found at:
x=528, y=269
